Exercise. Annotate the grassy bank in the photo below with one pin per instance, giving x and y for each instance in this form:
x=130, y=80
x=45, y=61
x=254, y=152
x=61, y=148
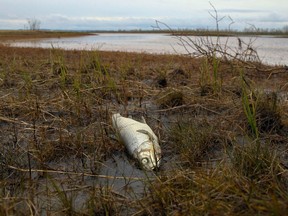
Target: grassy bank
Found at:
x=231, y=33
x=26, y=34
x=222, y=126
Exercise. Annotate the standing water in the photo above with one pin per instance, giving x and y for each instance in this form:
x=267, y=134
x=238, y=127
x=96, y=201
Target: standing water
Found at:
x=271, y=50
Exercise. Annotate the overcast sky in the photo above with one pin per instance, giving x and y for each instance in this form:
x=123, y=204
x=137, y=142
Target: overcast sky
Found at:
x=141, y=14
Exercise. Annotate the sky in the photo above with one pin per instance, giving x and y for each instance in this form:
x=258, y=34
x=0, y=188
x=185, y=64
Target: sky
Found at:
x=142, y=14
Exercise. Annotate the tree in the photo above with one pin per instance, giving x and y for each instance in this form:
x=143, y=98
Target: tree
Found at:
x=285, y=29
x=33, y=24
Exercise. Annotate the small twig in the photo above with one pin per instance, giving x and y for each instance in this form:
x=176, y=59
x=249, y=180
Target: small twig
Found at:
x=13, y=121
x=187, y=106
x=176, y=107
x=273, y=72
x=72, y=173
x=215, y=16
x=5, y=95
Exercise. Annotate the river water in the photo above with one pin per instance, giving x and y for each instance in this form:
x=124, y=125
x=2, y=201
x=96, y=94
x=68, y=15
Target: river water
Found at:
x=271, y=50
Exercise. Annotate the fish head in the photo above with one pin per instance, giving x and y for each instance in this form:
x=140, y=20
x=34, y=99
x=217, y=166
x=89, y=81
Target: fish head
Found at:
x=148, y=159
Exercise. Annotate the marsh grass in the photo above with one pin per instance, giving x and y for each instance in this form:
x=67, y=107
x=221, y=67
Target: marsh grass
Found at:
x=262, y=110
x=269, y=114
x=249, y=106
x=170, y=98
x=219, y=191
x=103, y=201
x=257, y=162
x=55, y=129
x=194, y=142
x=210, y=80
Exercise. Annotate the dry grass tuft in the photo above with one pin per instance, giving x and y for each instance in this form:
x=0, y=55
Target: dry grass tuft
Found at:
x=170, y=98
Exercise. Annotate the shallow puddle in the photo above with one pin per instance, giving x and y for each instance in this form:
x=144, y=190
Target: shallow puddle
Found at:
x=124, y=176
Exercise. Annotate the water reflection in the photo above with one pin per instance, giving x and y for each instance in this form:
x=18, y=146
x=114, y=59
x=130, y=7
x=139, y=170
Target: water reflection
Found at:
x=271, y=50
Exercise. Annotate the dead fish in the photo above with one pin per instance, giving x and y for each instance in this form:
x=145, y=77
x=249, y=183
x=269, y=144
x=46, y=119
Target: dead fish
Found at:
x=139, y=140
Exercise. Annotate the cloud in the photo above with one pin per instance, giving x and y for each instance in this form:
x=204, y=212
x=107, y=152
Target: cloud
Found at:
x=126, y=14
x=56, y=21
x=243, y=11
x=274, y=17
x=13, y=23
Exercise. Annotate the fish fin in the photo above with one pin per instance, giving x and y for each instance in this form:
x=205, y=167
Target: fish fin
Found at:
x=143, y=131
x=115, y=128
x=143, y=120
x=116, y=115
x=147, y=133
x=115, y=124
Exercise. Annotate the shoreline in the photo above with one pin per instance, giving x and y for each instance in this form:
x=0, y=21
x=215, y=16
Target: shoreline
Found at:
x=12, y=35
x=42, y=34
x=267, y=53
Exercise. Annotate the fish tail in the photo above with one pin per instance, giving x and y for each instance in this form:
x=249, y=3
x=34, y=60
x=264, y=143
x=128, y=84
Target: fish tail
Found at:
x=114, y=119
x=116, y=115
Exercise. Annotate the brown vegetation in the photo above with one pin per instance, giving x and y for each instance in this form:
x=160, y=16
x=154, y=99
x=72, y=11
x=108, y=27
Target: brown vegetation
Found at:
x=55, y=132
x=10, y=35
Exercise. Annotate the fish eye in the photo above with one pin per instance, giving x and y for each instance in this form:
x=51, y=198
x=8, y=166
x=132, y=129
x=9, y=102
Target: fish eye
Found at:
x=144, y=160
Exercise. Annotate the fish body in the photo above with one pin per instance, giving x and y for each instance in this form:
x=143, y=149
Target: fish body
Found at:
x=139, y=140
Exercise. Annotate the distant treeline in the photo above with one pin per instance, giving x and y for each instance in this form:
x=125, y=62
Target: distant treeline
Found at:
x=44, y=33
x=208, y=32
